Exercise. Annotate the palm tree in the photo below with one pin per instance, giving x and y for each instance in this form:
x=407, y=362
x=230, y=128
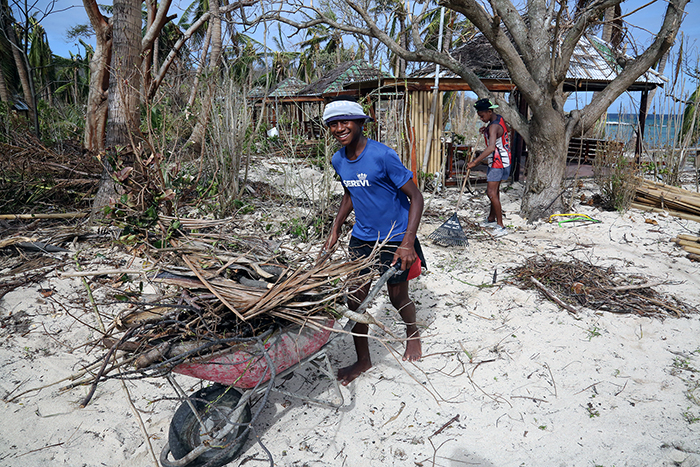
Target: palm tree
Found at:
x=73, y=75
x=320, y=44
x=41, y=60
x=18, y=49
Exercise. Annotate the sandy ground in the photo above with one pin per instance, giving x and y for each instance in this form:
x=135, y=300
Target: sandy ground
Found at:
x=508, y=378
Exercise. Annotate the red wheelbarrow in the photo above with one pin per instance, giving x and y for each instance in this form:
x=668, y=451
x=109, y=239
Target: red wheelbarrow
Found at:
x=212, y=425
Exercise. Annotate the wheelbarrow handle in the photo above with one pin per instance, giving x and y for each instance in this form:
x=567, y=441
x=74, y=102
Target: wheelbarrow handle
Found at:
x=359, y=316
x=383, y=279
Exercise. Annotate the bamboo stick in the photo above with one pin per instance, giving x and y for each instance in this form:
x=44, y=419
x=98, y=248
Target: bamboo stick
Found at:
x=692, y=249
x=693, y=257
x=65, y=215
x=690, y=238
x=669, y=201
x=680, y=214
x=687, y=243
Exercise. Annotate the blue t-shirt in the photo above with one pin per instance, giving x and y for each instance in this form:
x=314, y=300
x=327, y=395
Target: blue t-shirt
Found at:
x=374, y=181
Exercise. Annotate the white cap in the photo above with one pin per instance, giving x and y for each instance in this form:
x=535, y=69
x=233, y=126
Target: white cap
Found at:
x=344, y=110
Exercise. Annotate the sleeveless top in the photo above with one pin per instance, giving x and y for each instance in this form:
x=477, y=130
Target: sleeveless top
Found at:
x=500, y=158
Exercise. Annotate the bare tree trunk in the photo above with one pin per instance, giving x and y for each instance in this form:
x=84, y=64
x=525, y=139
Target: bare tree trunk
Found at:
x=546, y=148
x=4, y=93
x=96, y=115
x=147, y=62
x=75, y=83
x=197, y=137
x=21, y=70
x=122, y=100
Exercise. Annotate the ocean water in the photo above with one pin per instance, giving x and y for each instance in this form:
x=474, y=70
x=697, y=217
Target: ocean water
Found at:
x=659, y=130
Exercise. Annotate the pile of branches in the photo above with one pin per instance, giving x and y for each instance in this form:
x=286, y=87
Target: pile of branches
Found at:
x=223, y=299
x=578, y=283
x=34, y=176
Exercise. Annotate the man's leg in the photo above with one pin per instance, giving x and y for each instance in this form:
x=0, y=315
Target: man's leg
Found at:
x=363, y=363
x=398, y=294
x=493, y=192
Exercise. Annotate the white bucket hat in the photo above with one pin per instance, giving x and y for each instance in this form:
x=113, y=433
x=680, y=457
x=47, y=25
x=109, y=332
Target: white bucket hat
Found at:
x=344, y=110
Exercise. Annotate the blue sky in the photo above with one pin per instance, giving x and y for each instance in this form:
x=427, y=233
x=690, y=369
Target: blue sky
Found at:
x=68, y=13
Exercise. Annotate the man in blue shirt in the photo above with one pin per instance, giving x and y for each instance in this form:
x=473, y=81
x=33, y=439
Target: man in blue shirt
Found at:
x=386, y=202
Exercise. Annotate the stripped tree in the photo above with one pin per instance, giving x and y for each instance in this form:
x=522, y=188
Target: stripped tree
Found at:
x=536, y=45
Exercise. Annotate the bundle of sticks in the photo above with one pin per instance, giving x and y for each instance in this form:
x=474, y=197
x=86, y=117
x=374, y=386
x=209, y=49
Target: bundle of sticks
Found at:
x=658, y=197
x=689, y=243
x=224, y=300
x=576, y=282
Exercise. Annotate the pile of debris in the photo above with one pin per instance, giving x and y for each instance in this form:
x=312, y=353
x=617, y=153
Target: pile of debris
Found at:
x=219, y=299
x=578, y=283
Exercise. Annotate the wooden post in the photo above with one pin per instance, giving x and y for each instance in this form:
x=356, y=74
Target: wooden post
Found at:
x=414, y=162
x=518, y=144
x=642, y=122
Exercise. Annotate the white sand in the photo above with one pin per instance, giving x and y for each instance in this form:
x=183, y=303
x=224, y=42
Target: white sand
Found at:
x=532, y=384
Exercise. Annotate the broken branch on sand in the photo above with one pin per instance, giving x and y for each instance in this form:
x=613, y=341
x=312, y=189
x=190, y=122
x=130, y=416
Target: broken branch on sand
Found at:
x=65, y=215
x=553, y=296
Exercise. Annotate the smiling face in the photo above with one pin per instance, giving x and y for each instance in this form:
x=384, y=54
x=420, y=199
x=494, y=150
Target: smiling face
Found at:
x=347, y=132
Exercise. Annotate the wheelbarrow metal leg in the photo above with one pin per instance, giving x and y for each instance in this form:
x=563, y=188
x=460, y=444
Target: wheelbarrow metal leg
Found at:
x=319, y=360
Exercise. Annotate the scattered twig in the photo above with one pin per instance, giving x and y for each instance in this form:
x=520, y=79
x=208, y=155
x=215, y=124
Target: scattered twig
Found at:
x=102, y=272
x=623, y=388
x=553, y=296
x=554, y=383
x=66, y=215
x=536, y=399
x=624, y=288
x=588, y=387
x=449, y=422
x=136, y=413
x=403, y=405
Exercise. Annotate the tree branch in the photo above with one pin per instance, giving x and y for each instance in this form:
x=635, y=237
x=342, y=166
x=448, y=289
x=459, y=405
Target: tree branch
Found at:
x=632, y=70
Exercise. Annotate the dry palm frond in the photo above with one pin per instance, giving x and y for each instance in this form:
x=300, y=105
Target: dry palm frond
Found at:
x=222, y=309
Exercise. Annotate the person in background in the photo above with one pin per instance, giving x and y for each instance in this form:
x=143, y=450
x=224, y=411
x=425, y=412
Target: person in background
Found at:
x=386, y=202
x=498, y=152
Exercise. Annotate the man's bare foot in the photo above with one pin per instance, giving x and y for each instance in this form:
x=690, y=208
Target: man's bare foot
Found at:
x=349, y=373
x=413, y=349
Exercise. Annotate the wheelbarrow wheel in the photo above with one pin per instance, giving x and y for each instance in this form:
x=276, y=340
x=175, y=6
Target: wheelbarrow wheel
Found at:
x=213, y=404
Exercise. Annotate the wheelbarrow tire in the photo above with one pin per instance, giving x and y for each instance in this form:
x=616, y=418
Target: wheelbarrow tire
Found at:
x=184, y=433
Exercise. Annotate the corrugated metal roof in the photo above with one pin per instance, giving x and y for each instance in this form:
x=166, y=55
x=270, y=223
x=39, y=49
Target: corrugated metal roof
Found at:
x=288, y=87
x=257, y=92
x=594, y=60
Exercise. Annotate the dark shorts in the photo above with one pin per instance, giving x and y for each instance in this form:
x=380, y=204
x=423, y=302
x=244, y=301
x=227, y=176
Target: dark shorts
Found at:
x=362, y=249
x=497, y=175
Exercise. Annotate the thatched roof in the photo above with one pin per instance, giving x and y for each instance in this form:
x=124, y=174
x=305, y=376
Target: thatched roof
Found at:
x=593, y=65
x=476, y=54
x=344, y=73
